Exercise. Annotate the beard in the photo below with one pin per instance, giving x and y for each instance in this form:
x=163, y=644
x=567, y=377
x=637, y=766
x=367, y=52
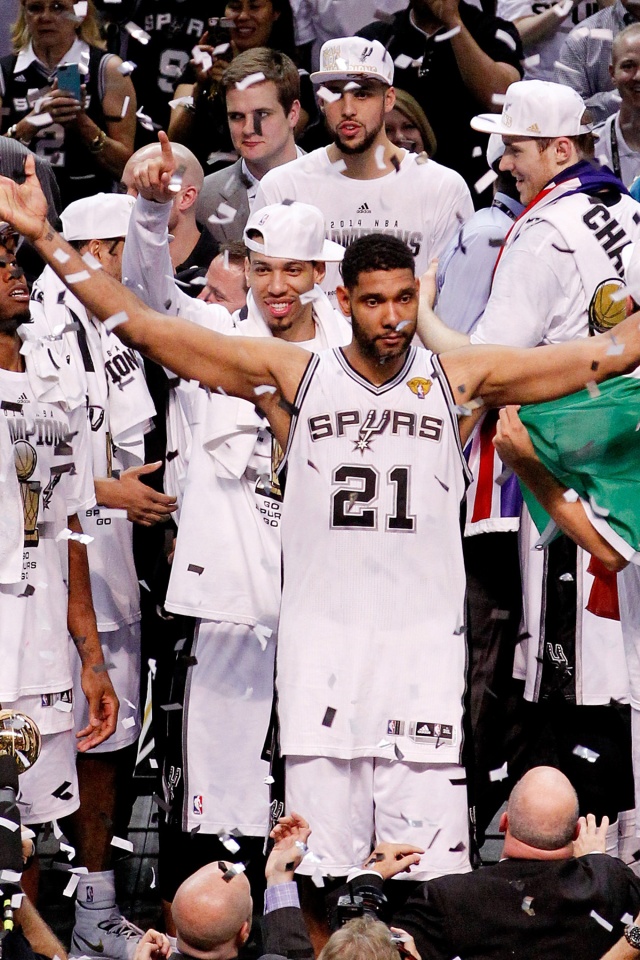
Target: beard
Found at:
x=359, y=148
x=10, y=325
x=370, y=348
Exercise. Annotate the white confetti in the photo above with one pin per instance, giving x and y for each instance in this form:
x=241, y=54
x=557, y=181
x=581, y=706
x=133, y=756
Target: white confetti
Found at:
x=498, y=99
x=570, y=496
x=328, y=95
x=114, y=321
x=61, y=256
x=128, y=722
x=485, y=181
x=506, y=38
x=262, y=633
x=72, y=885
x=221, y=48
x=250, y=80
x=379, y=155
x=153, y=763
x=68, y=849
x=225, y=214
x=122, y=844
x=585, y=753
x=562, y=66
x=9, y=824
x=310, y=296
x=137, y=32
x=127, y=67
x=181, y=102
x=10, y=876
x=264, y=388
x=439, y=37
x=80, y=8
x=476, y=152
x=593, y=389
x=125, y=107
x=229, y=843
x=91, y=261
x=40, y=119
x=152, y=885
x=526, y=906
x=599, y=33
x=626, y=918
x=63, y=706
x=603, y=923
x=402, y=61
x=16, y=903
x=67, y=534
x=500, y=773
x=268, y=780
x=317, y=878
x=77, y=277
x=531, y=61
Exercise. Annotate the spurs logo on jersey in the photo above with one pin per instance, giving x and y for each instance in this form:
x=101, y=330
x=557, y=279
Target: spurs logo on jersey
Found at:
x=370, y=428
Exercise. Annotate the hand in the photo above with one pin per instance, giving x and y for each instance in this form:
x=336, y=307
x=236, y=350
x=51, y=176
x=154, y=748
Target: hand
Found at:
x=591, y=838
x=28, y=846
x=61, y=106
x=446, y=11
x=285, y=855
x=512, y=440
x=24, y=205
x=408, y=943
x=152, y=946
x=143, y=504
x=390, y=859
x=151, y=178
x=103, y=708
x=428, y=288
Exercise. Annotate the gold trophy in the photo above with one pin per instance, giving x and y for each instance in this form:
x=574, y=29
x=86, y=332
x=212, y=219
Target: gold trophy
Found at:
x=26, y=459
x=19, y=738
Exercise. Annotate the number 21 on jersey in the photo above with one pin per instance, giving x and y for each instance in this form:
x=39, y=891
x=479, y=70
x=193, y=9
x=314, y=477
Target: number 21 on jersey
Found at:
x=362, y=495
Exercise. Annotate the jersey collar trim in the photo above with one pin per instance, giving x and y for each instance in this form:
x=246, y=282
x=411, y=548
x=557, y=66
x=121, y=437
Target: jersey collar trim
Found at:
x=388, y=384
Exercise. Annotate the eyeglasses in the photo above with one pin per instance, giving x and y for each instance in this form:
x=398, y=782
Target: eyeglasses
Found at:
x=56, y=8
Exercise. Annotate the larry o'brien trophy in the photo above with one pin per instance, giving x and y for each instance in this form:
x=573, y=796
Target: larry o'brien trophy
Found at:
x=19, y=749
x=19, y=738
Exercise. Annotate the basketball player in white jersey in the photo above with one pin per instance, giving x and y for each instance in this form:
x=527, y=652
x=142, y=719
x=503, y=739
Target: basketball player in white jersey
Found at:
x=45, y=594
x=371, y=650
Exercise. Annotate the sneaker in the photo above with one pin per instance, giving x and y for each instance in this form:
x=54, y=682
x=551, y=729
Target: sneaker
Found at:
x=113, y=937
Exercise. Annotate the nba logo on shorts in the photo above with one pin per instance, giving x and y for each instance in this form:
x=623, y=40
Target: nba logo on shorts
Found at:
x=89, y=894
x=197, y=804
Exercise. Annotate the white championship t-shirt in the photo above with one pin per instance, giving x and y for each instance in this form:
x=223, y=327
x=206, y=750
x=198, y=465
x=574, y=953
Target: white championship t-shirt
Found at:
x=423, y=204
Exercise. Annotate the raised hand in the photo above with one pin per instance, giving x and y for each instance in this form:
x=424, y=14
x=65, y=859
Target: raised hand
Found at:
x=291, y=834
x=389, y=859
x=152, y=178
x=512, y=440
x=24, y=205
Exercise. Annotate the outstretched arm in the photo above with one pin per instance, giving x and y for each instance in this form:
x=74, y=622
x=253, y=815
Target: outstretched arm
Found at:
x=237, y=365
x=514, y=445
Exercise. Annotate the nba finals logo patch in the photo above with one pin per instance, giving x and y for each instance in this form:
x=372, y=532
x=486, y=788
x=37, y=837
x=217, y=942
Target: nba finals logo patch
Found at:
x=419, y=386
x=197, y=804
x=606, y=309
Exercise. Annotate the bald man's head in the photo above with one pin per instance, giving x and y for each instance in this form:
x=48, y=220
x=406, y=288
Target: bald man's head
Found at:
x=193, y=175
x=212, y=915
x=543, y=809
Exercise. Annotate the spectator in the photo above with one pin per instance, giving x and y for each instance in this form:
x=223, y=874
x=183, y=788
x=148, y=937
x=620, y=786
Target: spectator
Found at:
x=543, y=28
x=255, y=23
x=192, y=248
x=453, y=78
x=367, y=939
x=407, y=126
x=88, y=141
x=618, y=144
x=585, y=58
x=362, y=182
x=262, y=119
x=226, y=283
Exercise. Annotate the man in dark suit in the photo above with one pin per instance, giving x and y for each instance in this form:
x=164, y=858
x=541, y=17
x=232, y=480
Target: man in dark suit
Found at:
x=554, y=894
x=262, y=119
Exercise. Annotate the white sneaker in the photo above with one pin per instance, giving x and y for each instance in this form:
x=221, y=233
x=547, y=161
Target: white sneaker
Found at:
x=103, y=933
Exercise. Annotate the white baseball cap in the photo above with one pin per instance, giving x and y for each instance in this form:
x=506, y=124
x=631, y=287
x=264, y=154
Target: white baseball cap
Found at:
x=495, y=149
x=348, y=58
x=100, y=217
x=536, y=108
x=291, y=231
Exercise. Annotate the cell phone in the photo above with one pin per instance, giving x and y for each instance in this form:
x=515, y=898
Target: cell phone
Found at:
x=70, y=81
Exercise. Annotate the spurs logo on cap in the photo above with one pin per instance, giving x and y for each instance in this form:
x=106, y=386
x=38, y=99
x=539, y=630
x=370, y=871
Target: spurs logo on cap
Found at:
x=366, y=53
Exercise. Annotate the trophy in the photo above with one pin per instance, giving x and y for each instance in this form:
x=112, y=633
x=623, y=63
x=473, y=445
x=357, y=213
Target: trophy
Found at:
x=19, y=738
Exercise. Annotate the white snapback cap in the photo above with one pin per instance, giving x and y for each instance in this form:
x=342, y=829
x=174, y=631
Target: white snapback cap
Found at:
x=348, y=58
x=536, y=108
x=291, y=231
x=100, y=217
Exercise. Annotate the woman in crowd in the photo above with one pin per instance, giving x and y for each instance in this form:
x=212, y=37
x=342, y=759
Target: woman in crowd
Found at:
x=407, y=125
x=86, y=131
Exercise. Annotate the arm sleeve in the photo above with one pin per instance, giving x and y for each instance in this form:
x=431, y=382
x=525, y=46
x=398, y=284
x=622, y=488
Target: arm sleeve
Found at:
x=467, y=279
x=582, y=74
x=284, y=933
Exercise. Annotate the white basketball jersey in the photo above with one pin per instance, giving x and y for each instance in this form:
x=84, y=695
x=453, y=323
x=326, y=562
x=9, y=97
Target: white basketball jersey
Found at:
x=371, y=651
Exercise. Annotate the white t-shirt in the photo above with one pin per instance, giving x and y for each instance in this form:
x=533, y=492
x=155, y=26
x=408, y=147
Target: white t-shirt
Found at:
x=628, y=159
x=33, y=613
x=422, y=204
x=548, y=49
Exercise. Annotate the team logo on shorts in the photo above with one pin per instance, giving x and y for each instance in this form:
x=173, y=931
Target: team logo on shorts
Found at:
x=605, y=309
x=419, y=386
x=197, y=804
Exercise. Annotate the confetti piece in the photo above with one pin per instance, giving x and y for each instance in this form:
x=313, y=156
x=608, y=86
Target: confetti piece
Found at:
x=194, y=568
x=339, y=166
x=169, y=707
x=152, y=885
x=439, y=37
x=153, y=763
x=72, y=885
x=615, y=349
x=67, y=534
x=585, y=753
x=40, y=119
x=329, y=716
x=128, y=722
x=529, y=62
x=77, y=277
x=402, y=61
x=566, y=577
x=526, y=906
x=9, y=824
x=228, y=842
x=262, y=633
x=66, y=847
x=225, y=214
x=563, y=9
x=562, y=66
x=499, y=774
x=485, y=181
x=233, y=871
x=570, y=496
x=476, y=152
x=250, y=80
x=125, y=107
x=122, y=844
x=264, y=388
x=506, y=38
x=598, y=33
x=603, y=923
x=16, y=901
x=498, y=99
x=317, y=878
x=626, y=918
x=379, y=156
x=137, y=32
x=61, y=256
x=310, y=296
x=269, y=780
